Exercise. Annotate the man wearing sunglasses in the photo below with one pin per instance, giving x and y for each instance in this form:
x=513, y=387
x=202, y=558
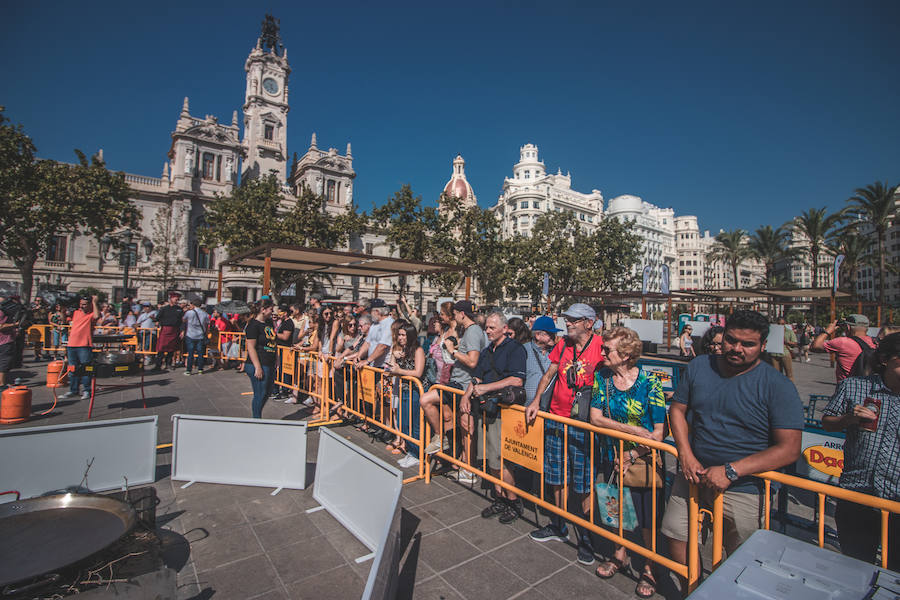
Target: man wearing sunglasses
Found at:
x=745, y=418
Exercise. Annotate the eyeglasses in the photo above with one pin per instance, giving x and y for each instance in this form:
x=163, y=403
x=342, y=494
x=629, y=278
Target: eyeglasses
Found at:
x=573, y=319
x=715, y=343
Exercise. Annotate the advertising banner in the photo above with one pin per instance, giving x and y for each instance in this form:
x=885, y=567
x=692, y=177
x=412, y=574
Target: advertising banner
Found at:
x=823, y=456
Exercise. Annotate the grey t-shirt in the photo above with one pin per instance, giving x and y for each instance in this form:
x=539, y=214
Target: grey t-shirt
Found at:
x=473, y=339
x=733, y=417
x=197, y=323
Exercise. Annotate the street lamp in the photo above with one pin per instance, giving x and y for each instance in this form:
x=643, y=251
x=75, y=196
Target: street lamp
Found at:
x=122, y=243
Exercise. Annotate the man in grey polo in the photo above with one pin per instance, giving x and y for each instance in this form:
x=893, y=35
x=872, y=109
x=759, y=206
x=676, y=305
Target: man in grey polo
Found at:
x=196, y=326
x=378, y=342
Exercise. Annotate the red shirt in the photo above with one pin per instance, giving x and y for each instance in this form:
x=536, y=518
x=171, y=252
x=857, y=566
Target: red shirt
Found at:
x=80, y=335
x=588, y=359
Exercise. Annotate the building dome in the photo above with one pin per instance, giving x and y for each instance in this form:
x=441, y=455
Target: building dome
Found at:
x=624, y=204
x=458, y=186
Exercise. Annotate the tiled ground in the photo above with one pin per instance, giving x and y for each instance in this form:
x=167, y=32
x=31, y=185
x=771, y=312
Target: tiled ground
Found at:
x=242, y=543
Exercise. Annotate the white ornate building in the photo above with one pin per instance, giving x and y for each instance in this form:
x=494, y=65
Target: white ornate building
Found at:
x=656, y=226
x=531, y=192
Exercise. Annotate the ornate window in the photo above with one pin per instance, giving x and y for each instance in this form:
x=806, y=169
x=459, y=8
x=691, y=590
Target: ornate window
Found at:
x=56, y=249
x=202, y=257
x=269, y=132
x=331, y=191
x=209, y=162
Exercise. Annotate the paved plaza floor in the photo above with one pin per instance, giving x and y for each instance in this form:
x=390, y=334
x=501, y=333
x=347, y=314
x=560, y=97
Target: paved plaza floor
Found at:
x=241, y=542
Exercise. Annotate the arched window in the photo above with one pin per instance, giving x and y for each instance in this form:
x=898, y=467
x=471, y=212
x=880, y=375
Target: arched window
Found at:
x=331, y=192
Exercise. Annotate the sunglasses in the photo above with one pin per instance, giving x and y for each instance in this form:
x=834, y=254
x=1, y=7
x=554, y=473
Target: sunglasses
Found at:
x=573, y=319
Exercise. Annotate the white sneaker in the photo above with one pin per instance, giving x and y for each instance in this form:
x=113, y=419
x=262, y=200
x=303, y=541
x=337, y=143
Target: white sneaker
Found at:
x=408, y=461
x=807, y=360
x=436, y=444
x=290, y=400
x=309, y=402
x=70, y=394
x=467, y=477
x=85, y=395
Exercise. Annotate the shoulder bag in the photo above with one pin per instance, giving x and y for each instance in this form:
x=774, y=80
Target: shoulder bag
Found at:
x=639, y=471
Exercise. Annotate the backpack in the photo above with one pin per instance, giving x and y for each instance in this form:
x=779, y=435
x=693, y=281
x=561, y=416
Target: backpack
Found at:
x=864, y=364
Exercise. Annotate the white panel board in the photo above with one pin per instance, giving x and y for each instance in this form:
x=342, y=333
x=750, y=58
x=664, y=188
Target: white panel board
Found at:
x=873, y=331
x=37, y=460
x=775, y=342
x=259, y=452
x=648, y=330
x=359, y=490
x=698, y=328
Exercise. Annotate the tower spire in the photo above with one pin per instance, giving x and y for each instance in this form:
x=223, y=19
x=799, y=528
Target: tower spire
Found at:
x=234, y=120
x=185, y=109
x=349, y=151
x=312, y=142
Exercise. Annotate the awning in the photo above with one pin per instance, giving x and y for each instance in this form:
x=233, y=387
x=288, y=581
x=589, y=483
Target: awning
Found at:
x=334, y=262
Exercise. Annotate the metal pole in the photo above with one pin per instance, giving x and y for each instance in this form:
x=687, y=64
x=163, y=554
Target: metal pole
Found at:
x=267, y=272
x=219, y=288
x=468, y=286
x=376, y=287
x=643, y=307
x=669, y=326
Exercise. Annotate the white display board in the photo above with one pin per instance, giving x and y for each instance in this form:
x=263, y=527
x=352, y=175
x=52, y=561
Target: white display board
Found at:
x=648, y=330
x=698, y=328
x=775, y=342
x=873, y=331
x=258, y=452
x=358, y=489
x=97, y=455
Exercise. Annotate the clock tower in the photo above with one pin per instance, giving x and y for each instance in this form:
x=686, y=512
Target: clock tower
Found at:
x=266, y=105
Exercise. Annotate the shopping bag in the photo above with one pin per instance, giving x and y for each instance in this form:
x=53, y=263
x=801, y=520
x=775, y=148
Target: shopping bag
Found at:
x=608, y=505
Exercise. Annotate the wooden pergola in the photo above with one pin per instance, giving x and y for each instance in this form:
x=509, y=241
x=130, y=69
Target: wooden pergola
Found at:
x=332, y=262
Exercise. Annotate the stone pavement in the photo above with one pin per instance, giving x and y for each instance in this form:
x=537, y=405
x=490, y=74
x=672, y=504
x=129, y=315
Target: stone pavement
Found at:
x=241, y=542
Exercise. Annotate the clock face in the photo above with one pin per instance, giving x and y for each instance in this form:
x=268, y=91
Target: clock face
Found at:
x=270, y=85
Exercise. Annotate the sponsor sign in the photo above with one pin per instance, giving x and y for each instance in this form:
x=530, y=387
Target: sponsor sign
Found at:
x=521, y=443
x=822, y=458
x=287, y=362
x=367, y=385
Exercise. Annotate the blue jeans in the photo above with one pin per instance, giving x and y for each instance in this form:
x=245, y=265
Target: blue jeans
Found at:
x=409, y=423
x=197, y=346
x=261, y=387
x=78, y=357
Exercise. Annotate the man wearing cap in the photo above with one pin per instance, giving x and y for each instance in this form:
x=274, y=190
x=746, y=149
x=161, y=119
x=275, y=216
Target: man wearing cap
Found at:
x=374, y=350
x=573, y=362
x=537, y=353
x=169, y=318
x=846, y=348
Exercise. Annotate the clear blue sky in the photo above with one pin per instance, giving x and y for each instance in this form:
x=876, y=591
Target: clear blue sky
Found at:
x=740, y=113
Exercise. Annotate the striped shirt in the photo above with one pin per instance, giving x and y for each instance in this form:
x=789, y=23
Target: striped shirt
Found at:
x=871, y=459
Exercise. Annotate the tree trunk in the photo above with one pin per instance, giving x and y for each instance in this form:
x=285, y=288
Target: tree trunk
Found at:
x=814, y=255
x=881, y=273
x=734, y=268
x=26, y=270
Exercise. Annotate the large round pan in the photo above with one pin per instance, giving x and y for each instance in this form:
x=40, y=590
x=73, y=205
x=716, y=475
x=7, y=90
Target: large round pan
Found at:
x=40, y=535
x=122, y=357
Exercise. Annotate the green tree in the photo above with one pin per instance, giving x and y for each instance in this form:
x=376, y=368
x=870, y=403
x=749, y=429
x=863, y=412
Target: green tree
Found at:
x=43, y=198
x=256, y=212
x=730, y=248
x=857, y=251
x=407, y=224
x=816, y=226
x=769, y=246
x=165, y=264
x=877, y=206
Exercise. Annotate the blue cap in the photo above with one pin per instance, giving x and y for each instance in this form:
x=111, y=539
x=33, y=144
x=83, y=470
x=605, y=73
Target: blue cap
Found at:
x=545, y=324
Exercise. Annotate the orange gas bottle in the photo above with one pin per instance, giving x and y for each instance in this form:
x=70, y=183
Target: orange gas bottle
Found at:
x=15, y=405
x=55, y=373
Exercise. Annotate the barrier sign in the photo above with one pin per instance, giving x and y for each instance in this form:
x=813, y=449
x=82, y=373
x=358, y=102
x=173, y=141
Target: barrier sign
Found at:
x=822, y=458
x=367, y=386
x=521, y=443
x=287, y=362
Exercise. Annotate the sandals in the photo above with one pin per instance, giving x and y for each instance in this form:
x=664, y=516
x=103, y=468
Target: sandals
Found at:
x=646, y=586
x=608, y=568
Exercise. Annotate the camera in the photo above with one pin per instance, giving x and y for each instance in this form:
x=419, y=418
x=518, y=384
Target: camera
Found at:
x=452, y=339
x=489, y=406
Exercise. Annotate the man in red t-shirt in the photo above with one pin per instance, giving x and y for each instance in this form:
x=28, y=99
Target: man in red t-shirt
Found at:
x=846, y=349
x=573, y=360
x=80, y=347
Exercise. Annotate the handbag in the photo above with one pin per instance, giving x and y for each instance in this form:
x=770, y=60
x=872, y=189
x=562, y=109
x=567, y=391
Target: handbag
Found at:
x=639, y=473
x=608, y=505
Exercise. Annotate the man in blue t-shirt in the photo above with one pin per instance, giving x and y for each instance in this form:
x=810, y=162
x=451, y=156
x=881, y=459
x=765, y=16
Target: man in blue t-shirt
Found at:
x=745, y=418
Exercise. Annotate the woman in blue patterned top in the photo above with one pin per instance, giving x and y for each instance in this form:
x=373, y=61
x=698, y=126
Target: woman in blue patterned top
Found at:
x=635, y=405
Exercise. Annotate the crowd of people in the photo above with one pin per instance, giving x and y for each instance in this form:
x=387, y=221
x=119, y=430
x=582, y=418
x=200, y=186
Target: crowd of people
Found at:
x=735, y=411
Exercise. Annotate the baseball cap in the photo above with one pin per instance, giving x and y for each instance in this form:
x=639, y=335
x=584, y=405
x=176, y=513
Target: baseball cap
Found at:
x=466, y=306
x=580, y=310
x=377, y=303
x=545, y=324
x=857, y=320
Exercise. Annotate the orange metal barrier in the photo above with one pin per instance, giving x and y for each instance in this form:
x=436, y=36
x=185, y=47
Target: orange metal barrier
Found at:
x=822, y=491
x=52, y=337
x=232, y=345
x=449, y=404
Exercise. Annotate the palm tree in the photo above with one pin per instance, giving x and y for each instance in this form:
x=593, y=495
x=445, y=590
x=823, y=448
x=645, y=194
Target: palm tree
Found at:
x=857, y=251
x=816, y=225
x=730, y=249
x=769, y=246
x=876, y=205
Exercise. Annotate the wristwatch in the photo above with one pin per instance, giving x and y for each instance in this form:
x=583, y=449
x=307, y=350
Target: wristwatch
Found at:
x=730, y=473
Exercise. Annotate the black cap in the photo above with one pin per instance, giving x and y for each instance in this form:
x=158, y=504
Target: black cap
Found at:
x=466, y=306
x=377, y=303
